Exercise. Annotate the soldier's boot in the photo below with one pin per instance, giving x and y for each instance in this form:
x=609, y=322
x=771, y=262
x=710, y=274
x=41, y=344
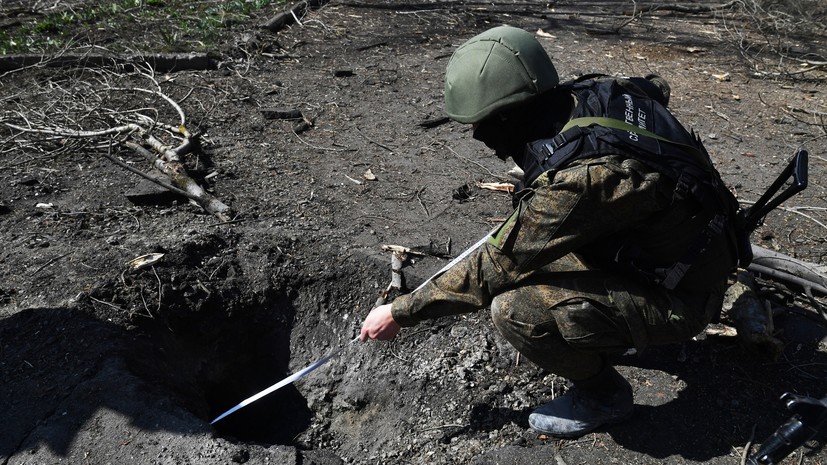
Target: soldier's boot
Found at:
x=603, y=399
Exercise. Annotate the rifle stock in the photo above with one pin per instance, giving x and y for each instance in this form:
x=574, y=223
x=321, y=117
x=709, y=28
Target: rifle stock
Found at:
x=796, y=170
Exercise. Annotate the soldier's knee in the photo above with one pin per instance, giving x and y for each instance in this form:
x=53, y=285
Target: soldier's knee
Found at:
x=497, y=313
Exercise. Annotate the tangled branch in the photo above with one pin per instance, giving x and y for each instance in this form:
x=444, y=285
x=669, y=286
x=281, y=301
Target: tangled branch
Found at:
x=780, y=40
x=88, y=107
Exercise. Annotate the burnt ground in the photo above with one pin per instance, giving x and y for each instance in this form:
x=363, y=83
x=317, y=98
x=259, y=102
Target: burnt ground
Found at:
x=104, y=364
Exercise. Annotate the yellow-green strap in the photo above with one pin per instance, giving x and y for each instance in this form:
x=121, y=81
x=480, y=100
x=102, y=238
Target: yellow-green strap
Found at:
x=613, y=123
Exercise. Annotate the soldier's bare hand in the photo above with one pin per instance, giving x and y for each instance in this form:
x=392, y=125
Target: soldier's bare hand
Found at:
x=380, y=325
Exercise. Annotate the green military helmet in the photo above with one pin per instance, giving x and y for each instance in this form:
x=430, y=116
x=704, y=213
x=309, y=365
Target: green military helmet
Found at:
x=495, y=70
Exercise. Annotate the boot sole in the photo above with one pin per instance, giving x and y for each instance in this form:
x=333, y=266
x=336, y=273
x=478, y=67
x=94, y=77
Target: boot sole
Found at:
x=581, y=433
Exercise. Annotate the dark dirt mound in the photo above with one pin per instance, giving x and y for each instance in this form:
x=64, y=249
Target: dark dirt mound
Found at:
x=101, y=363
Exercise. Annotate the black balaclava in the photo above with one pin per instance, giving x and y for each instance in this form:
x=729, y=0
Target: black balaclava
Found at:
x=508, y=132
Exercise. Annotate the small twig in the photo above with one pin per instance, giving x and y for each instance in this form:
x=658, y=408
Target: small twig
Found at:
x=143, y=300
x=397, y=279
x=815, y=303
x=322, y=148
x=795, y=210
x=807, y=112
x=42, y=267
x=434, y=428
x=373, y=141
x=421, y=203
x=140, y=173
x=296, y=18
x=390, y=349
x=355, y=181
x=788, y=277
x=193, y=191
x=748, y=446
x=383, y=296
x=402, y=249
x=159, y=290
x=106, y=303
x=690, y=9
x=124, y=129
x=502, y=178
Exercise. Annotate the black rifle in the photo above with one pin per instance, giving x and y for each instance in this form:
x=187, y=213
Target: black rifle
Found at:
x=809, y=419
x=796, y=171
x=809, y=415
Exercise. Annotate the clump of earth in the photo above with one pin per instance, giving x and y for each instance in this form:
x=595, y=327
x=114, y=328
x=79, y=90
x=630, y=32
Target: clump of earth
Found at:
x=105, y=363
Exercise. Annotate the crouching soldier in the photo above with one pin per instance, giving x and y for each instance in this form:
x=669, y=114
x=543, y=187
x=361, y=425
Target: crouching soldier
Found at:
x=621, y=236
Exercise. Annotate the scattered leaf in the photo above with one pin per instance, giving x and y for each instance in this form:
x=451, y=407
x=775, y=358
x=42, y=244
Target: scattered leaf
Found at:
x=369, y=176
x=722, y=77
x=691, y=49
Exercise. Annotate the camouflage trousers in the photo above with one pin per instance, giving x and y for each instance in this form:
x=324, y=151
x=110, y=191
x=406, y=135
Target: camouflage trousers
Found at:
x=567, y=317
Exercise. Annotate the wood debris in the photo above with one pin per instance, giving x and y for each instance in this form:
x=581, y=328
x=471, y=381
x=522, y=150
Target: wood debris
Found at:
x=69, y=119
x=144, y=261
x=497, y=186
x=281, y=113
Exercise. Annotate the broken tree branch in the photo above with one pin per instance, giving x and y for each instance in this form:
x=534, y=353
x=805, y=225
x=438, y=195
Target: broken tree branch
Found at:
x=291, y=14
x=789, y=269
x=178, y=174
x=397, y=284
x=140, y=173
x=66, y=113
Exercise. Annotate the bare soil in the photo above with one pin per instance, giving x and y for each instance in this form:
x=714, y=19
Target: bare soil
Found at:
x=104, y=364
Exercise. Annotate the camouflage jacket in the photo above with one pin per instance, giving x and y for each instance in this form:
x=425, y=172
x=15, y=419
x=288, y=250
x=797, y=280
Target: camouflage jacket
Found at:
x=586, y=208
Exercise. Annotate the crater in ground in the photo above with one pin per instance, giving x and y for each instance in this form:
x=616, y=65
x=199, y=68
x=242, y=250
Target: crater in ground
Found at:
x=104, y=364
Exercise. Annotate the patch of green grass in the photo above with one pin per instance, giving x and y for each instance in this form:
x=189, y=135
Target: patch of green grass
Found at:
x=148, y=25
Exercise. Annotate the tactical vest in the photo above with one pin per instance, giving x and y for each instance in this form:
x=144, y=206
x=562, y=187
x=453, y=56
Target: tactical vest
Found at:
x=617, y=117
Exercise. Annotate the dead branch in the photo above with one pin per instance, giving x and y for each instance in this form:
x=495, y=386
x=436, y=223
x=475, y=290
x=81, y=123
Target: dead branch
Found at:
x=70, y=112
x=417, y=251
x=796, y=210
x=497, y=186
x=805, y=111
x=163, y=63
x=789, y=269
x=691, y=9
x=187, y=186
x=402, y=250
x=66, y=132
x=638, y=13
x=140, y=173
x=397, y=284
x=291, y=14
x=768, y=35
